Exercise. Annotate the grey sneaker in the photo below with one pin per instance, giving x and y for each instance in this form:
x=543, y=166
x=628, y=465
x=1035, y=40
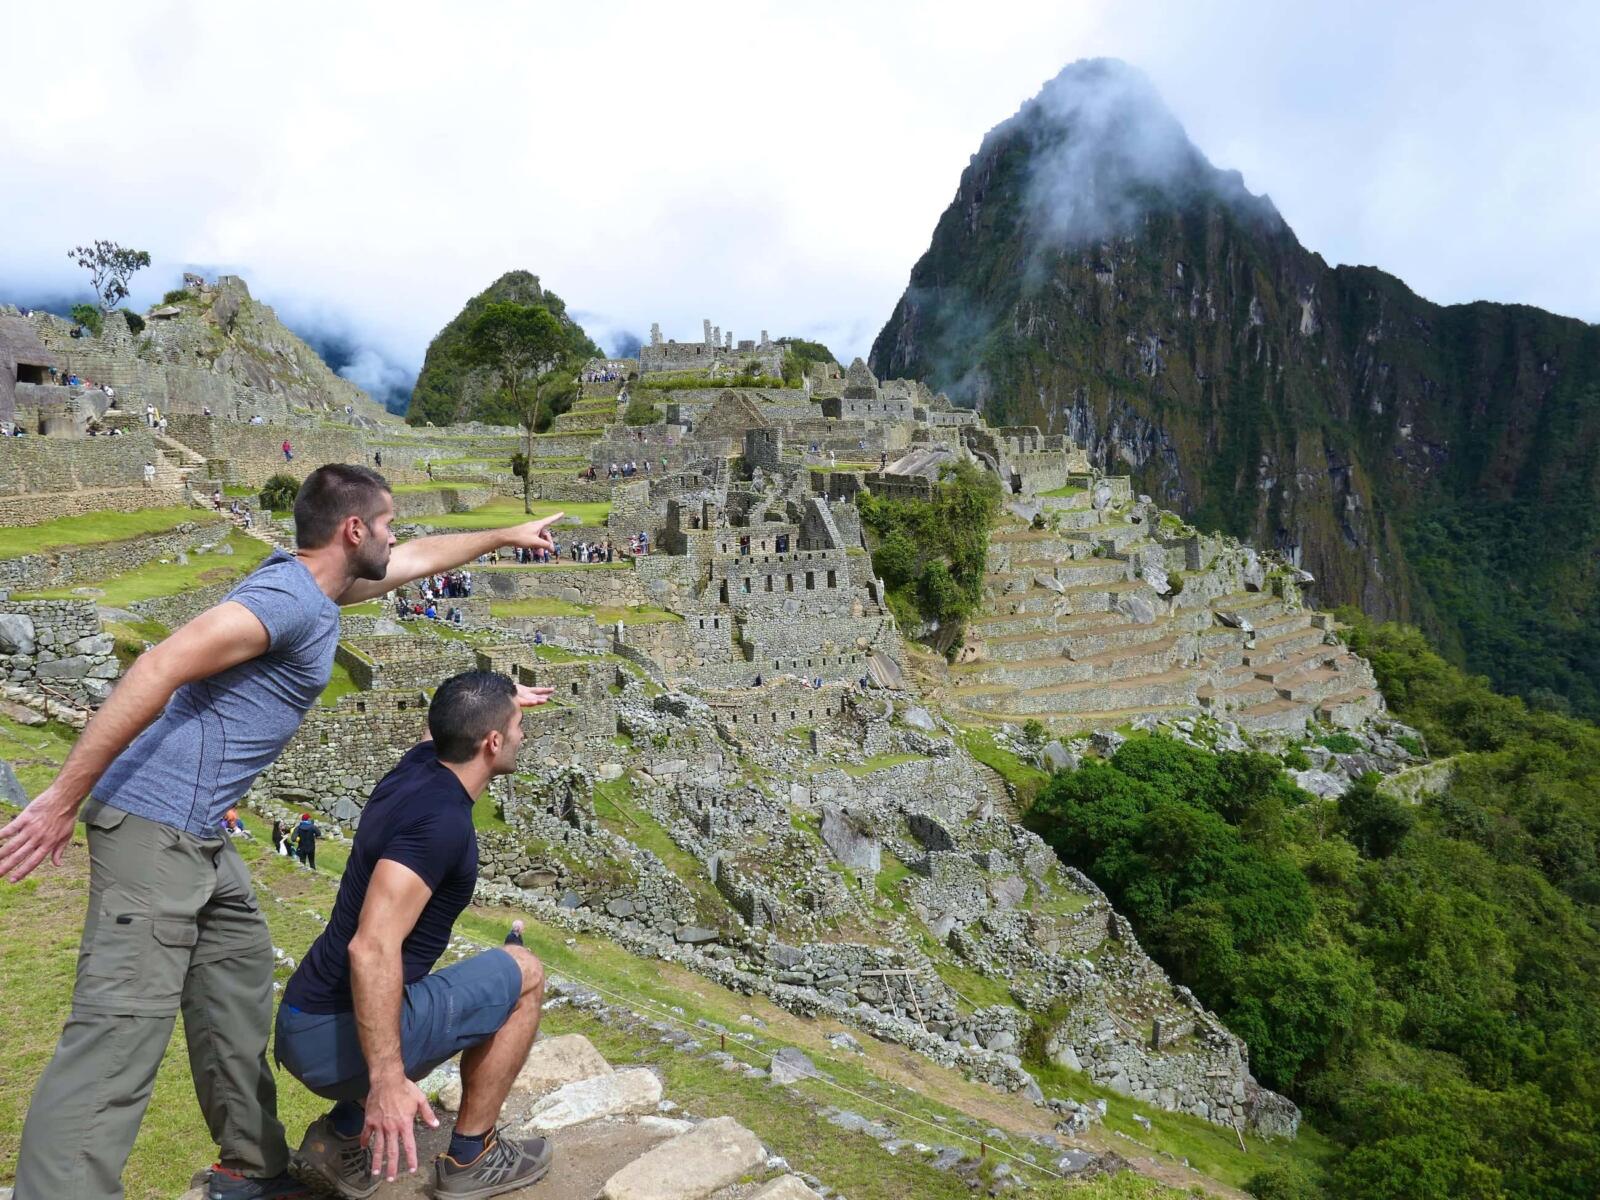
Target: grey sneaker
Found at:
x=504, y=1166
x=336, y=1162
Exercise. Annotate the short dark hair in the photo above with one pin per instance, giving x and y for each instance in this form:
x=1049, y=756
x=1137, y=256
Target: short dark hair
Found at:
x=329, y=495
x=466, y=709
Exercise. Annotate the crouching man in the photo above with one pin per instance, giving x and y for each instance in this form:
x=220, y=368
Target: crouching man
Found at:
x=362, y=1018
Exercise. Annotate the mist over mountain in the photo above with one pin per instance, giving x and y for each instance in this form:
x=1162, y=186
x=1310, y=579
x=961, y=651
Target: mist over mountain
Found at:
x=1097, y=275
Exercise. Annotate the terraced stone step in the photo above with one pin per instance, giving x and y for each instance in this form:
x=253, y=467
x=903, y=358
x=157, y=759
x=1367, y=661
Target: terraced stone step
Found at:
x=1268, y=650
x=1172, y=688
x=1142, y=658
x=1282, y=715
x=1078, y=640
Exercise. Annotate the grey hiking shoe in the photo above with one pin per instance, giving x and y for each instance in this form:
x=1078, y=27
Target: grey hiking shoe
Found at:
x=337, y=1163
x=504, y=1166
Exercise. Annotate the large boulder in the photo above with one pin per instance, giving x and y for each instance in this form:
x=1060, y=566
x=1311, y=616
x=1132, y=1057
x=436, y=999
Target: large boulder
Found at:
x=851, y=845
x=555, y=1062
x=16, y=634
x=615, y=1094
x=11, y=790
x=713, y=1155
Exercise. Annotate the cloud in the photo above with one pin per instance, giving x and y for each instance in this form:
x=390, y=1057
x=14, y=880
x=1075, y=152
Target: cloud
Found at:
x=767, y=166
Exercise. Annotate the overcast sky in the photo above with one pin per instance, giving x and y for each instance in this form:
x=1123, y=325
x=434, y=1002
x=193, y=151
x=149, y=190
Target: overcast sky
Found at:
x=368, y=167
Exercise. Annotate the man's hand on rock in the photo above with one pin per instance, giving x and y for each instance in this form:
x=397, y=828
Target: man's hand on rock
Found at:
x=393, y=1106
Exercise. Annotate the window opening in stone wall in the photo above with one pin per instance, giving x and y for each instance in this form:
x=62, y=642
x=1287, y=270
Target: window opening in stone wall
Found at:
x=789, y=580
x=724, y=591
x=361, y=706
x=811, y=581
x=746, y=582
x=574, y=689
x=769, y=583
x=833, y=581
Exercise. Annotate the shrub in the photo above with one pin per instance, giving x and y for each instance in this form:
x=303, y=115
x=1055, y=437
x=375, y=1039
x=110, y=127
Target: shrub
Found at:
x=135, y=322
x=279, y=492
x=641, y=412
x=1339, y=743
x=89, y=317
x=176, y=296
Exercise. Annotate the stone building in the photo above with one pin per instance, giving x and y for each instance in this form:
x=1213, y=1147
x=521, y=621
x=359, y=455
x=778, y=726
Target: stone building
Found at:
x=24, y=362
x=714, y=353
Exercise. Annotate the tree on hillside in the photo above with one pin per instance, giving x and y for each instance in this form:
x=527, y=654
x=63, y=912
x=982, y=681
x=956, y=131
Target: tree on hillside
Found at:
x=110, y=266
x=521, y=344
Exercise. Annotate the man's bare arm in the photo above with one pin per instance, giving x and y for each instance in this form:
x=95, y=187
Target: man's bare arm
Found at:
x=217, y=639
x=395, y=898
x=446, y=551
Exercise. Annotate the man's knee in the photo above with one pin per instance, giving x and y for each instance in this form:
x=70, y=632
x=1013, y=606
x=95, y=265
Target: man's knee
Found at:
x=532, y=970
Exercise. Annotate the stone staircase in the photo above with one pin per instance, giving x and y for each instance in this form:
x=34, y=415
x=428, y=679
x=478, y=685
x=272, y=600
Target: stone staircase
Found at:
x=615, y=1137
x=1074, y=636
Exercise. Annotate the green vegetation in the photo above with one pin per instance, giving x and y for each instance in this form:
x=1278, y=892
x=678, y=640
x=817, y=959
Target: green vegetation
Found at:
x=340, y=683
x=540, y=606
x=278, y=493
x=169, y=578
x=504, y=511
x=90, y=317
x=92, y=529
x=454, y=385
x=1421, y=978
x=668, y=381
x=931, y=554
x=35, y=752
x=641, y=412
x=798, y=355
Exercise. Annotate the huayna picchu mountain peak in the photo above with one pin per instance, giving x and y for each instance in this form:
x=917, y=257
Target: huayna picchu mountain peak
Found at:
x=1097, y=276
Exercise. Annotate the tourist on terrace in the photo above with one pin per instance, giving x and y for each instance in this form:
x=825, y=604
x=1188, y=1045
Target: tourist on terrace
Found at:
x=288, y=451
x=149, y=474
x=180, y=739
x=305, y=841
x=362, y=1018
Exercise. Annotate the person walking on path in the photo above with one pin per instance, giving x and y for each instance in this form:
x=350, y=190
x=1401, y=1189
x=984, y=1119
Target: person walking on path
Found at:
x=172, y=920
x=362, y=1018
x=305, y=841
x=288, y=451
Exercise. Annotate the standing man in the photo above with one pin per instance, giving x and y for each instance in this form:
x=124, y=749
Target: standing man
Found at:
x=172, y=918
x=305, y=841
x=362, y=1018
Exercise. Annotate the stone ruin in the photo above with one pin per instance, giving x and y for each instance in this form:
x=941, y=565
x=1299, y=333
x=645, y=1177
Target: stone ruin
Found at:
x=744, y=693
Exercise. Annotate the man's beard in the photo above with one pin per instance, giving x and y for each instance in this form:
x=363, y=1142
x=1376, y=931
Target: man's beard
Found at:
x=372, y=562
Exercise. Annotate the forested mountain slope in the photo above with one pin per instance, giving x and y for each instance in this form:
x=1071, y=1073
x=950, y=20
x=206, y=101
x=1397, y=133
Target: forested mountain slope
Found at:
x=1096, y=275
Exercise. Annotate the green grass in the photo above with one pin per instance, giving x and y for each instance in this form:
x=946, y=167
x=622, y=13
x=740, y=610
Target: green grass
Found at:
x=506, y=511
x=538, y=606
x=93, y=529
x=132, y=638
x=1025, y=778
x=1070, y=489
x=486, y=814
x=169, y=578
x=340, y=683
x=879, y=762
x=545, y=606
x=36, y=752
x=613, y=804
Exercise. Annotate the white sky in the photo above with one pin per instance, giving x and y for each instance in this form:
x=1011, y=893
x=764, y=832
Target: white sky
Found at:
x=777, y=166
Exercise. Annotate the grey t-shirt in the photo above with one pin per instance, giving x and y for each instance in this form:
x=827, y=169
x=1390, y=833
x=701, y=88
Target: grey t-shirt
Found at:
x=217, y=734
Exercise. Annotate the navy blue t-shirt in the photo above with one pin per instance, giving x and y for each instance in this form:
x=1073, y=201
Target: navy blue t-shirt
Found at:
x=421, y=817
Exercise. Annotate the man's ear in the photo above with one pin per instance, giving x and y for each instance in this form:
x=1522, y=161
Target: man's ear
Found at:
x=493, y=742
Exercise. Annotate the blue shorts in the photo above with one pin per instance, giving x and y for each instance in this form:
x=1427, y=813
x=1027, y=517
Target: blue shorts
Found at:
x=443, y=1014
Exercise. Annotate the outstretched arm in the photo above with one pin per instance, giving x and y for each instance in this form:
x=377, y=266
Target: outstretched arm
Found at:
x=446, y=551
x=217, y=639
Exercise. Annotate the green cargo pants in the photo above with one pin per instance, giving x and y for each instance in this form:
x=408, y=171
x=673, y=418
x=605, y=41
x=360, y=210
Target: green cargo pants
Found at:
x=172, y=924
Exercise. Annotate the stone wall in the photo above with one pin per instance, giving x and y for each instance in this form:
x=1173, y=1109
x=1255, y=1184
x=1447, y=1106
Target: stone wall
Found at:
x=40, y=464
x=403, y=660
x=57, y=644
x=219, y=438
x=783, y=704
x=70, y=567
x=415, y=506
x=26, y=510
